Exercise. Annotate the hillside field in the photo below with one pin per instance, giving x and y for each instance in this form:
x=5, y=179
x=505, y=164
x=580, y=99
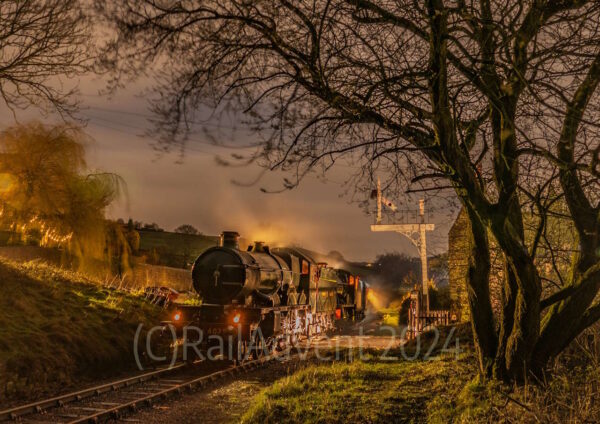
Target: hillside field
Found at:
x=175, y=243
x=58, y=327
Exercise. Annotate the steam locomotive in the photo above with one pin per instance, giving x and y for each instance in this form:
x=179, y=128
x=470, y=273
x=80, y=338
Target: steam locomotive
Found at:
x=263, y=299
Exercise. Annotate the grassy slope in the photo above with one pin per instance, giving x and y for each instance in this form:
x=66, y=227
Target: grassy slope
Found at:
x=375, y=390
x=179, y=244
x=371, y=391
x=57, y=327
x=444, y=390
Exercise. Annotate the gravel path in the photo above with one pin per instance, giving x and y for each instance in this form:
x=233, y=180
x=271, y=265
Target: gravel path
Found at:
x=224, y=402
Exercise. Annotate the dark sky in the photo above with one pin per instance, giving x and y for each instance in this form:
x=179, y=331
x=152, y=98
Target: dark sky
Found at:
x=200, y=192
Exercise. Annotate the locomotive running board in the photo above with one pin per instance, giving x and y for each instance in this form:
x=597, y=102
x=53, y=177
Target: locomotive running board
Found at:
x=284, y=308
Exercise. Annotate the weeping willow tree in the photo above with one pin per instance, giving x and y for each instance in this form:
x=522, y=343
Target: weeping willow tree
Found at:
x=48, y=196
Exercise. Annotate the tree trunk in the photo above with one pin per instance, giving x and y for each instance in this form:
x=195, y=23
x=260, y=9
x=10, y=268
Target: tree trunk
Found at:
x=518, y=346
x=506, y=322
x=563, y=321
x=482, y=318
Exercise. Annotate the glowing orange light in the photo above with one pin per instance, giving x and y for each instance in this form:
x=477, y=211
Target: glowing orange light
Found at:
x=177, y=316
x=304, y=267
x=375, y=299
x=236, y=318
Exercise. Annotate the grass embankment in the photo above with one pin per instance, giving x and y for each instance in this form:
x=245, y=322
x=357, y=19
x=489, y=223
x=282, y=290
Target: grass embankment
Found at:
x=360, y=392
x=444, y=389
x=374, y=389
x=58, y=327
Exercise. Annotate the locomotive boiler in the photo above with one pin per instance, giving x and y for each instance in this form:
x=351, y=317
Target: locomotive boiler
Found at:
x=225, y=274
x=262, y=299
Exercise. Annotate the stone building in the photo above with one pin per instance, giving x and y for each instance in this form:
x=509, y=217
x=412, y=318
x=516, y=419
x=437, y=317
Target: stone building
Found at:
x=459, y=246
x=459, y=251
x=559, y=234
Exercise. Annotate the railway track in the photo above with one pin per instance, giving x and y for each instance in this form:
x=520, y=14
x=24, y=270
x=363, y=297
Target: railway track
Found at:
x=116, y=399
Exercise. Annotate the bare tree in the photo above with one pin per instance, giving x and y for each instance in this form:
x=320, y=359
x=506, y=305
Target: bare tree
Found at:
x=187, y=229
x=495, y=100
x=41, y=41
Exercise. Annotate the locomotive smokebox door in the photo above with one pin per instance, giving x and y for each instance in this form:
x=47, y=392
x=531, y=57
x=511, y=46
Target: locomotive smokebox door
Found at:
x=224, y=274
x=219, y=276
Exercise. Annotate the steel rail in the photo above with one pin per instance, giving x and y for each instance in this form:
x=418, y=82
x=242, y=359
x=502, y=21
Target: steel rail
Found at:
x=115, y=412
x=132, y=406
x=59, y=401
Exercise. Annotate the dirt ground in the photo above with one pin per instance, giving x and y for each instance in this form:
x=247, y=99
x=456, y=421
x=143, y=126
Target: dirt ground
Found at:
x=351, y=342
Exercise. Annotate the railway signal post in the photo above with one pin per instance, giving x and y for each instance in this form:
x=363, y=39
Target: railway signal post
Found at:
x=412, y=226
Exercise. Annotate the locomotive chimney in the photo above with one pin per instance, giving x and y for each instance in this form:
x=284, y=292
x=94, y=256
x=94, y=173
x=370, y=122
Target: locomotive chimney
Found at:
x=230, y=239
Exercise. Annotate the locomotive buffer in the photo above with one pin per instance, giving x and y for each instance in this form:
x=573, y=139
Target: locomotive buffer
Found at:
x=415, y=231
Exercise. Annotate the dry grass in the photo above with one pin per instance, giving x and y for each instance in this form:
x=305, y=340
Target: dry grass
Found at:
x=571, y=393
x=57, y=327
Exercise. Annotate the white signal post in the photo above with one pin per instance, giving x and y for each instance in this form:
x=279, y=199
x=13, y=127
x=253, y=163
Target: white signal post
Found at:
x=414, y=231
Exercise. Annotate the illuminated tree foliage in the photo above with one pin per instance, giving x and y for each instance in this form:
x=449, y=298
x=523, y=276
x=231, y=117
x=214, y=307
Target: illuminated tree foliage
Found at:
x=48, y=193
x=495, y=100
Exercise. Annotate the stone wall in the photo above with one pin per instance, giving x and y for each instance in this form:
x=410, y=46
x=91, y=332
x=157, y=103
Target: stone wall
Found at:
x=459, y=253
x=32, y=253
x=140, y=276
x=553, y=265
x=459, y=246
x=144, y=275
